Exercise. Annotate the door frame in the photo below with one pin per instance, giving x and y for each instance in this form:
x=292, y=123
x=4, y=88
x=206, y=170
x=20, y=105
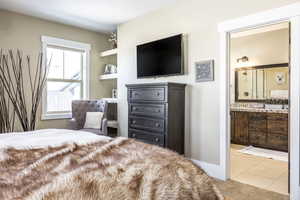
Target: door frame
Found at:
x=290, y=13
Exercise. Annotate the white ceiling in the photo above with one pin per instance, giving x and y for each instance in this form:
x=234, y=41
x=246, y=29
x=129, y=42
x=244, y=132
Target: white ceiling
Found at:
x=97, y=15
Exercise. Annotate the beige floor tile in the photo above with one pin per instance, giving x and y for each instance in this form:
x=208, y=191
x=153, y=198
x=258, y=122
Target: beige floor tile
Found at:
x=237, y=147
x=259, y=171
x=241, y=163
x=257, y=181
x=268, y=171
x=280, y=185
x=275, y=163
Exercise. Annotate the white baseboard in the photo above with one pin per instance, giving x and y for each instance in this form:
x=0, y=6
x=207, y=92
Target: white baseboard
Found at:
x=212, y=170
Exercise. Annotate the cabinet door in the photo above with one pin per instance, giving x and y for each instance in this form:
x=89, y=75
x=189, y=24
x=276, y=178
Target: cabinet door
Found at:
x=278, y=132
x=278, y=142
x=258, y=138
x=232, y=131
x=241, y=128
x=258, y=129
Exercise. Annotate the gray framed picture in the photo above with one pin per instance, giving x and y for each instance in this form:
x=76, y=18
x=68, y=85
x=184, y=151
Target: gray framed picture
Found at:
x=205, y=71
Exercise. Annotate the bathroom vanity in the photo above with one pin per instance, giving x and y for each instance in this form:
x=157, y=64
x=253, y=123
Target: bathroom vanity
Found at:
x=259, y=111
x=260, y=128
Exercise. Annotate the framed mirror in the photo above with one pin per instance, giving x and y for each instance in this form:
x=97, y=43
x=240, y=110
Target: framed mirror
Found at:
x=259, y=83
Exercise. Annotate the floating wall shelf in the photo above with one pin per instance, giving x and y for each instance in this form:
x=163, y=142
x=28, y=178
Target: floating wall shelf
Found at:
x=108, y=76
x=109, y=52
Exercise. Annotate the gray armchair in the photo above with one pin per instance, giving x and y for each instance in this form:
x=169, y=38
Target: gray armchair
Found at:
x=79, y=110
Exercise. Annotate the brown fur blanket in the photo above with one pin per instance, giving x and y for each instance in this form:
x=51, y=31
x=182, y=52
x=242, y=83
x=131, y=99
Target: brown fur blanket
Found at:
x=107, y=170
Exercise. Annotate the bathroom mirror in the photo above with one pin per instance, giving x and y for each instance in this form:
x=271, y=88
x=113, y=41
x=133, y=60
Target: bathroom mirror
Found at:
x=258, y=83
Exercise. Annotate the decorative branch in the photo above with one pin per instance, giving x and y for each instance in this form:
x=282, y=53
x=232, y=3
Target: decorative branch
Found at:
x=13, y=81
x=7, y=118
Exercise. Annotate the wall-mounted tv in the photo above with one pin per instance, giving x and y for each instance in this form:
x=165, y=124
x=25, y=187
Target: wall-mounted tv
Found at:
x=161, y=58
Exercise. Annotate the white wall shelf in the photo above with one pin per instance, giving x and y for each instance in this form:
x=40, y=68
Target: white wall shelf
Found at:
x=109, y=52
x=112, y=123
x=110, y=100
x=108, y=76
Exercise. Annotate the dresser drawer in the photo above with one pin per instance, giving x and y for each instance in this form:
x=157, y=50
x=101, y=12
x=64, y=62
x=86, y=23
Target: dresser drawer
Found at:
x=147, y=137
x=157, y=125
x=147, y=94
x=154, y=110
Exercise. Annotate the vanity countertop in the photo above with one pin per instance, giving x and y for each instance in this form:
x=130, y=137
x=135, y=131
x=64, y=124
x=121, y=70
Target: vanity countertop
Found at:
x=243, y=109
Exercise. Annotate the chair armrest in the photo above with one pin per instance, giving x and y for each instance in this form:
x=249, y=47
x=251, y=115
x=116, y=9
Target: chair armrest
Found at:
x=104, y=126
x=72, y=124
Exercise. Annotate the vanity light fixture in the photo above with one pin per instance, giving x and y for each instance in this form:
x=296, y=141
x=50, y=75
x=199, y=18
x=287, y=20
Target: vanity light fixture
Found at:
x=242, y=59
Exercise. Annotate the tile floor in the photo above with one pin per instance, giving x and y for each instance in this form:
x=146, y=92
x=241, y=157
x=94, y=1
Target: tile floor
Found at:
x=261, y=172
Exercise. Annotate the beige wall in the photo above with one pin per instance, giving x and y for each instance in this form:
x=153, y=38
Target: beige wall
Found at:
x=197, y=19
x=261, y=49
x=24, y=33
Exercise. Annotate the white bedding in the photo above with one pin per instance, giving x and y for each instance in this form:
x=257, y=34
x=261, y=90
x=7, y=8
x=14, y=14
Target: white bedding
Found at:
x=47, y=137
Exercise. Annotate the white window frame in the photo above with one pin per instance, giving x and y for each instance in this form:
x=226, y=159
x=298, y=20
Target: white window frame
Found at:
x=85, y=48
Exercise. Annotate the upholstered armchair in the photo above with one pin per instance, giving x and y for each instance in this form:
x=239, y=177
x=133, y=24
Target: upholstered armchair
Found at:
x=79, y=110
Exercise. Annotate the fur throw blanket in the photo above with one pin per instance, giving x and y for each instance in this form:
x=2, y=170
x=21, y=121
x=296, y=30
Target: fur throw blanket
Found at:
x=118, y=169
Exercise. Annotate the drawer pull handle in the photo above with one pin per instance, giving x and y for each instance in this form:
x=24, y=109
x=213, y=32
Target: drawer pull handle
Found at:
x=157, y=125
x=134, y=122
x=158, y=110
x=156, y=139
x=158, y=94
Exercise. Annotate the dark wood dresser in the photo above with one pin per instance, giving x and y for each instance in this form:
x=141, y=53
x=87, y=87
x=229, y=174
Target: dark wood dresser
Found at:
x=156, y=114
x=266, y=130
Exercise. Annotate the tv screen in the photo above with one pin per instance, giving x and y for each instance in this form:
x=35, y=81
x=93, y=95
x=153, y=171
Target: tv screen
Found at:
x=160, y=58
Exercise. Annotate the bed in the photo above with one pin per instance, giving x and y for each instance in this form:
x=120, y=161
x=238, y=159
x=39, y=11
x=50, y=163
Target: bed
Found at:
x=61, y=164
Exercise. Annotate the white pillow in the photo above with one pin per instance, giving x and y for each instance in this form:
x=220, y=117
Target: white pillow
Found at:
x=93, y=120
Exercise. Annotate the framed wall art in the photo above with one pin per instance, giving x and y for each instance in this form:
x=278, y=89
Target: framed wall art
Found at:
x=204, y=71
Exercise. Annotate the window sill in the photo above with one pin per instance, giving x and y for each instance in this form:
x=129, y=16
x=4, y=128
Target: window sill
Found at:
x=56, y=116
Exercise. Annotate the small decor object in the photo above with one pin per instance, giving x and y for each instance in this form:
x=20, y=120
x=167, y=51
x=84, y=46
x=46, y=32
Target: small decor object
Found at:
x=113, y=38
x=280, y=78
x=205, y=71
x=113, y=69
x=110, y=69
x=114, y=93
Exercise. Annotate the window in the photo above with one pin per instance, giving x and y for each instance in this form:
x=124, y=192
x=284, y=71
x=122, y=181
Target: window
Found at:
x=67, y=78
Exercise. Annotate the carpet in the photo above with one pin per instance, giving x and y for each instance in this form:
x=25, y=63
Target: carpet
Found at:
x=233, y=190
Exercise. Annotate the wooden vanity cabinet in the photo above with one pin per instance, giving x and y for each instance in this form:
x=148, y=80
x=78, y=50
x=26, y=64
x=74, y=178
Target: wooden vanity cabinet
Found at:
x=266, y=130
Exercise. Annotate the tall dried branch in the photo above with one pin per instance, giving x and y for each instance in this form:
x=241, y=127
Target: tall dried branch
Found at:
x=24, y=99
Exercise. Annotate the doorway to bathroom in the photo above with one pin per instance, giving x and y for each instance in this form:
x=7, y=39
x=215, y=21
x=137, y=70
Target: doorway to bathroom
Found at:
x=259, y=106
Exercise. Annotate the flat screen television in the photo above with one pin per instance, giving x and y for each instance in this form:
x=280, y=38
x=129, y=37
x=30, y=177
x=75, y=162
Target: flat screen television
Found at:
x=161, y=58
